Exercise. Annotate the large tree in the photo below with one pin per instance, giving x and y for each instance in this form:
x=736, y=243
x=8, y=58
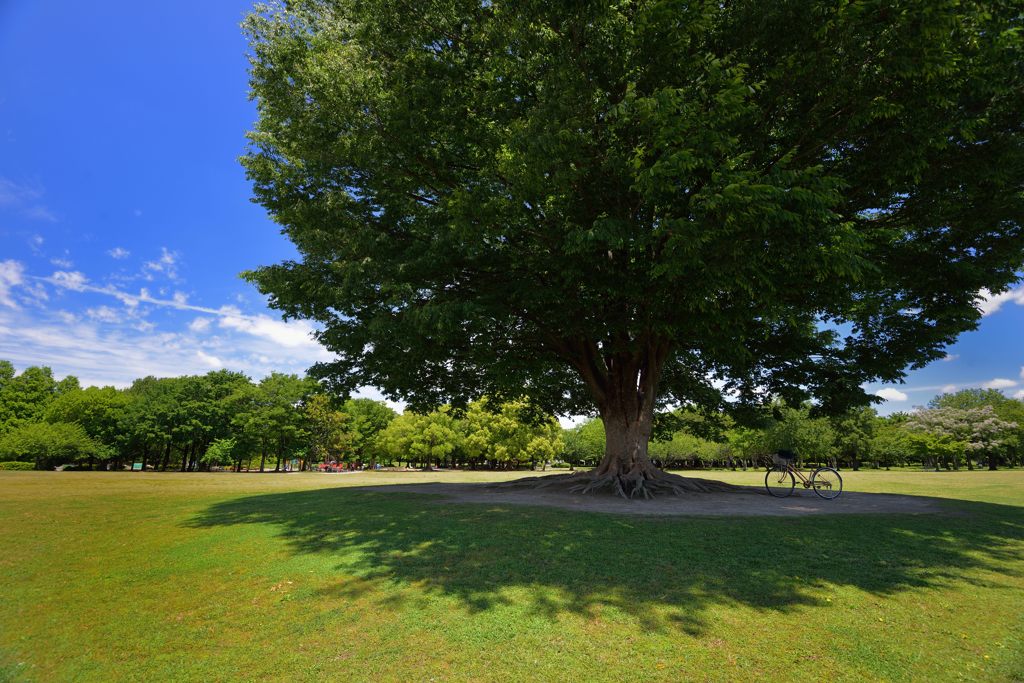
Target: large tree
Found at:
x=618, y=204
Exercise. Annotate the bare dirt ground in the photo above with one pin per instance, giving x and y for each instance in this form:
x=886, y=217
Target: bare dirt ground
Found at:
x=751, y=502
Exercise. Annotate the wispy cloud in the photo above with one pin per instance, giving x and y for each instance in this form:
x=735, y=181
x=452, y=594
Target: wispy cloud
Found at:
x=218, y=337
x=24, y=199
x=15, y=194
x=998, y=383
x=107, y=346
x=119, y=253
x=989, y=303
x=104, y=314
x=12, y=274
x=40, y=213
x=167, y=264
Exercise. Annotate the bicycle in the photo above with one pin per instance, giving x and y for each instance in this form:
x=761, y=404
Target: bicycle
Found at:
x=780, y=479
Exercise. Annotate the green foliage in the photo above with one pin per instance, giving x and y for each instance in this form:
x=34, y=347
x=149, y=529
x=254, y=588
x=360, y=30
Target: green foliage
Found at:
x=11, y=465
x=748, y=199
x=102, y=412
x=488, y=433
x=220, y=452
x=328, y=436
x=25, y=397
x=584, y=443
x=427, y=439
x=49, y=444
x=366, y=420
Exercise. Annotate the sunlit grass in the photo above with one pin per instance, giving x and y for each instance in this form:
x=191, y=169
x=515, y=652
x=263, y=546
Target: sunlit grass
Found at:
x=301, y=577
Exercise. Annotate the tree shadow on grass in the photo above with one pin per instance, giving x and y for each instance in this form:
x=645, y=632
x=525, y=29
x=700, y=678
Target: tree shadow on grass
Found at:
x=664, y=573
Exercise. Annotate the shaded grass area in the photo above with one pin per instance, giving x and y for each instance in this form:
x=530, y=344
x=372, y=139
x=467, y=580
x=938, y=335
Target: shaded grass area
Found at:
x=276, y=578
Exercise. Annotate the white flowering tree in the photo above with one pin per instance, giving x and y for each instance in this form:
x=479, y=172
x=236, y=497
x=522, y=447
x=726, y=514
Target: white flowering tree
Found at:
x=981, y=431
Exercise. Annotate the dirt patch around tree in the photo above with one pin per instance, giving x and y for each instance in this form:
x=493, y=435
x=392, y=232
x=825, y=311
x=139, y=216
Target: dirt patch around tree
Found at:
x=748, y=502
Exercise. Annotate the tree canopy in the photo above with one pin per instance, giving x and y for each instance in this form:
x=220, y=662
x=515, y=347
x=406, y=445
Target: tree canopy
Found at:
x=614, y=205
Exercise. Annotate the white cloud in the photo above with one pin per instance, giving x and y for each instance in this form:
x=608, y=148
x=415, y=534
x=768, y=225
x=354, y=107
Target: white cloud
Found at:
x=891, y=394
x=207, y=359
x=999, y=383
x=13, y=194
x=116, y=354
x=113, y=344
x=166, y=264
x=40, y=213
x=119, y=253
x=1019, y=394
x=949, y=357
x=23, y=198
x=989, y=303
x=62, y=263
x=292, y=334
x=12, y=274
x=200, y=324
x=104, y=314
x=948, y=389
x=73, y=280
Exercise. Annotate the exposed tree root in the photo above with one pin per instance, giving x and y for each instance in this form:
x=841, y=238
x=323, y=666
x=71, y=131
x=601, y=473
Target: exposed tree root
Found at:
x=641, y=481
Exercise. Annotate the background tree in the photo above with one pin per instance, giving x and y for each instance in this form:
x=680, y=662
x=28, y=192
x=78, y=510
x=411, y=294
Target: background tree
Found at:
x=101, y=412
x=220, y=452
x=977, y=430
x=328, y=437
x=367, y=419
x=614, y=205
x=279, y=415
x=425, y=439
x=24, y=397
x=1006, y=409
x=584, y=443
x=854, y=433
x=50, y=444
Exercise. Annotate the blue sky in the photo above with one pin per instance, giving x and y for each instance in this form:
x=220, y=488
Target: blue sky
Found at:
x=125, y=216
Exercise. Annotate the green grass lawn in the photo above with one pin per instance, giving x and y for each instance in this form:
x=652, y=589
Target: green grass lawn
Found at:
x=208, y=577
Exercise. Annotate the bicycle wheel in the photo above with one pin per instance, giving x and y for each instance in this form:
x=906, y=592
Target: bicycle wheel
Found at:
x=779, y=481
x=827, y=483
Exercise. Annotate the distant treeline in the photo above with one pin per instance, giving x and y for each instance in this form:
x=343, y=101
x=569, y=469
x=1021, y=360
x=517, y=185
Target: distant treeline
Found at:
x=224, y=419
x=966, y=429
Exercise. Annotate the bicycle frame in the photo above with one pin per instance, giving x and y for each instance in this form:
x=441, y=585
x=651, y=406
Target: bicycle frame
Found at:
x=799, y=475
x=784, y=472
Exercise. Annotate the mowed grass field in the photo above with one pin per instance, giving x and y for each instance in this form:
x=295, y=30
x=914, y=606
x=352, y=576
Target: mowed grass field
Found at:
x=238, y=577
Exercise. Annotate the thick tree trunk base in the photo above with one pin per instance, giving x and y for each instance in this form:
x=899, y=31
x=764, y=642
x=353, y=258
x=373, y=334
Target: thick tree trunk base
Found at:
x=642, y=481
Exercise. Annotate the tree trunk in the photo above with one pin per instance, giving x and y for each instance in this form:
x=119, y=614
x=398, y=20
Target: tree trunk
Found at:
x=624, y=385
x=626, y=393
